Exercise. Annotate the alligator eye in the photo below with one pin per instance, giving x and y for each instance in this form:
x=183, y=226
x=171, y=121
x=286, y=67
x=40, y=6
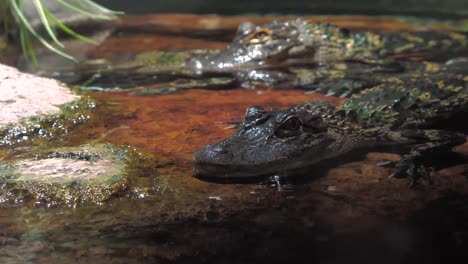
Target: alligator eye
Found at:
x=261, y=35
x=291, y=123
x=290, y=127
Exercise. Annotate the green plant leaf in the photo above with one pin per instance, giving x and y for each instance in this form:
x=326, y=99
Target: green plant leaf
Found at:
x=82, y=11
x=25, y=22
x=50, y=22
x=41, y=11
x=67, y=29
x=100, y=7
x=26, y=45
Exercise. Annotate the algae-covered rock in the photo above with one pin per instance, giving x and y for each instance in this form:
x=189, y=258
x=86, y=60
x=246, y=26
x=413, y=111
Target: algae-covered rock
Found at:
x=41, y=129
x=34, y=108
x=88, y=174
x=25, y=95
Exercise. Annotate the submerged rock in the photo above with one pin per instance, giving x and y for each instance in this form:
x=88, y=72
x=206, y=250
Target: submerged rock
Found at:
x=88, y=174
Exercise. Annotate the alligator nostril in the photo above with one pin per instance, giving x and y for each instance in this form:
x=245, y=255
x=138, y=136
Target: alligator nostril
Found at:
x=221, y=151
x=211, y=154
x=216, y=151
x=195, y=65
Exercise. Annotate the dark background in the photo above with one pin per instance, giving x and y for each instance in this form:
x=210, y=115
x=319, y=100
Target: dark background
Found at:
x=433, y=8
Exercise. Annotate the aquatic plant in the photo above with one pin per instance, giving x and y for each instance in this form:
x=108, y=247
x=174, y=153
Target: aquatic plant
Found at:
x=17, y=26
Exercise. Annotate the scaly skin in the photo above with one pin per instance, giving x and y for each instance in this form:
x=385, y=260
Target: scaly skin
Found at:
x=285, y=43
x=398, y=112
x=285, y=54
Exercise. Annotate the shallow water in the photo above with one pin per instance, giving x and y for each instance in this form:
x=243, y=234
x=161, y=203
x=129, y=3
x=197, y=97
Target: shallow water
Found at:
x=345, y=211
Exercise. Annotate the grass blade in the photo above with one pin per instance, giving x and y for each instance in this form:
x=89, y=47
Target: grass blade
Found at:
x=67, y=29
x=30, y=49
x=100, y=7
x=50, y=23
x=23, y=41
x=82, y=11
x=26, y=45
x=41, y=11
x=28, y=26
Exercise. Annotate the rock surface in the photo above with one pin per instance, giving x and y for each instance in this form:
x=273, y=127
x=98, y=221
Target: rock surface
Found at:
x=88, y=174
x=24, y=95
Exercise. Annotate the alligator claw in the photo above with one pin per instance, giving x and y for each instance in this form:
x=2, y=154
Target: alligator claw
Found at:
x=386, y=163
x=415, y=164
x=410, y=169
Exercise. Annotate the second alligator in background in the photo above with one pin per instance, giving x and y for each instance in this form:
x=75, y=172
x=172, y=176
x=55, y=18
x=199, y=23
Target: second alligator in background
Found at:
x=282, y=54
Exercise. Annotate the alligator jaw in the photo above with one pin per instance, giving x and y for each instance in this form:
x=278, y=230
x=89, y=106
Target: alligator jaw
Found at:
x=204, y=167
x=208, y=165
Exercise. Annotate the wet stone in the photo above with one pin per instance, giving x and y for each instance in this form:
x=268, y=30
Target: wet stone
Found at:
x=88, y=174
x=36, y=109
x=41, y=129
x=24, y=95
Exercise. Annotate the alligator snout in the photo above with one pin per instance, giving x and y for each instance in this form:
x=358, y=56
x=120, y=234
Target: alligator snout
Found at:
x=195, y=65
x=209, y=161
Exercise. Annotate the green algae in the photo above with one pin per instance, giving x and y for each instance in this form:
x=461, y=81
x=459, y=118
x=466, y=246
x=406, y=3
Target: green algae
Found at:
x=43, y=129
x=71, y=176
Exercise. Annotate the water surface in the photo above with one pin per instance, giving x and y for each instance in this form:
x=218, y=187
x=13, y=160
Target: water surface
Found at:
x=345, y=211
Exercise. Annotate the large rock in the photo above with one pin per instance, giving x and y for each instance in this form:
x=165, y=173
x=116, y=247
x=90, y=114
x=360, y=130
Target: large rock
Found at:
x=33, y=107
x=24, y=95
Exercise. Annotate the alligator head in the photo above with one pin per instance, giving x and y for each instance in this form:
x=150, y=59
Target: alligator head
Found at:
x=256, y=47
x=269, y=142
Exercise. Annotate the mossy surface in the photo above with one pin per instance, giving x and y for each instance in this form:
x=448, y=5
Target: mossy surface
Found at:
x=45, y=128
x=87, y=174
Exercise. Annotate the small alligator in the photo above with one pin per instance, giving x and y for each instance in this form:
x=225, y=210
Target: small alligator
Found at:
x=281, y=54
x=404, y=111
x=280, y=44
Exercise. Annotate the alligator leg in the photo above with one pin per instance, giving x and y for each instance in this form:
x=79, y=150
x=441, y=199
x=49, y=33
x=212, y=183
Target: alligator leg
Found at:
x=415, y=163
x=340, y=79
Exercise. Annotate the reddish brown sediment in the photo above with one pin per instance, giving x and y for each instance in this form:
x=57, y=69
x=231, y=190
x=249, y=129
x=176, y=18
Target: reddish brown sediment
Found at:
x=180, y=123
x=210, y=24
x=137, y=43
